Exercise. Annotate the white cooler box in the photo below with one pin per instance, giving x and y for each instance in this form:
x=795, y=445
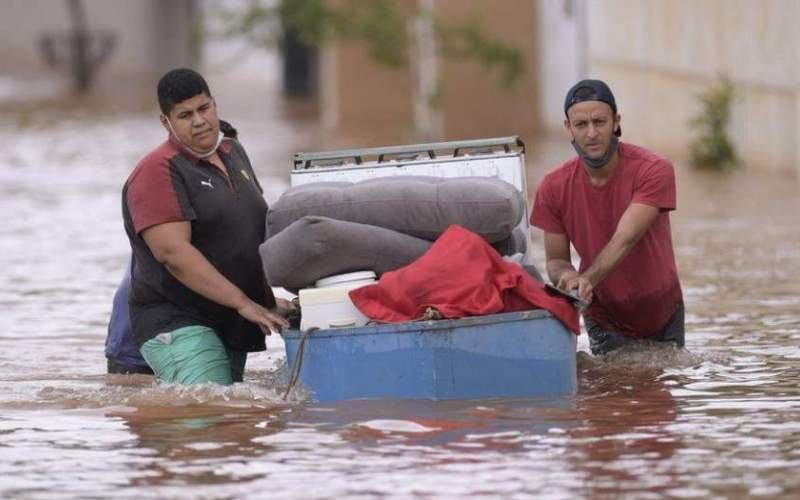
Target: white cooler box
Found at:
x=328, y=304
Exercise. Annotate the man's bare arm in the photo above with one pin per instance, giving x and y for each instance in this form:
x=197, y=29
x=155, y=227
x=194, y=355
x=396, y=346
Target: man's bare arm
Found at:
x=171, y=245
x=559, y=261
x=634, y=223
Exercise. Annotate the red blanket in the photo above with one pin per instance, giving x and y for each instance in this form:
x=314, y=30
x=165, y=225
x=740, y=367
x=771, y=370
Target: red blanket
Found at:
x=460, y=275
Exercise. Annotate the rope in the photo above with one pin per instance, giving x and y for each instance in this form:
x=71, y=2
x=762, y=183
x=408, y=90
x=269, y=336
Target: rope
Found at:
x=294, y=374
x=430, y=314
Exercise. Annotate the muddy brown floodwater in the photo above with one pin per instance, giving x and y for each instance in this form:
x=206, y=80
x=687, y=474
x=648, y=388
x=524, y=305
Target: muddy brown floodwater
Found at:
x=721, y=419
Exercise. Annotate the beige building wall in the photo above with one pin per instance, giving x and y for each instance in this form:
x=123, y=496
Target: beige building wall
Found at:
x=363, y=100
x=475, y=103
x=365, y=103
x=658, y=55
x=151, y=35
x=562, y=38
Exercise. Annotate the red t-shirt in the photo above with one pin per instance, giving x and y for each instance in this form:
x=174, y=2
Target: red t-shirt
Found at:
x=640, y=296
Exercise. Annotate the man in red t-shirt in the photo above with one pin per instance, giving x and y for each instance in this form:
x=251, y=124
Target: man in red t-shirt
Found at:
x=612, y=203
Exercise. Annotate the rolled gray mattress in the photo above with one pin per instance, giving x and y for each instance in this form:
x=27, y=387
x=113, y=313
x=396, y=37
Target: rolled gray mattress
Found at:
x=422, y=207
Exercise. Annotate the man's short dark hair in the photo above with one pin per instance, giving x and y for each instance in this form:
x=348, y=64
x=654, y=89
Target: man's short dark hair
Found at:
x=180, y=84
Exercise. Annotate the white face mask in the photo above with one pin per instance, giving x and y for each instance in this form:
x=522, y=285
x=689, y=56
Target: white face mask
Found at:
x=199, y=154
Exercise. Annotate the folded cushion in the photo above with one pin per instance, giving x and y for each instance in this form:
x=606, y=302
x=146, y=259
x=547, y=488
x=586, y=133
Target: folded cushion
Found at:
x=316, y=247
x=414, y=205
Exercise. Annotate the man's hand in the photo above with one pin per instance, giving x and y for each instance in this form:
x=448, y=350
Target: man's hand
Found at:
x=582, y=283
x=267, y=320
x=567, y=276
x=284, y=307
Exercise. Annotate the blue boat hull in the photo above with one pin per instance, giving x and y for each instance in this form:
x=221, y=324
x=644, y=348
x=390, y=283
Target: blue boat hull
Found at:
x=521, y=354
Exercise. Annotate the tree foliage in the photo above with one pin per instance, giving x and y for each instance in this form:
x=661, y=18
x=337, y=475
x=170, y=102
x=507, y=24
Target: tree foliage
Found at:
x=378, y=23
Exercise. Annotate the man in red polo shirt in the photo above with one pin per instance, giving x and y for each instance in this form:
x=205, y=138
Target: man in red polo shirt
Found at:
x=612, y=203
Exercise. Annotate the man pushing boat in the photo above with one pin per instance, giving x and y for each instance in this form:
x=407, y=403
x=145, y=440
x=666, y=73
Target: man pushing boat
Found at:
x=612, y=203
x=195, y=215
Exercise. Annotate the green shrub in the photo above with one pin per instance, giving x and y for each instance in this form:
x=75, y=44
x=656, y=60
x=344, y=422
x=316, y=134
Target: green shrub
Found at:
x=712, y=148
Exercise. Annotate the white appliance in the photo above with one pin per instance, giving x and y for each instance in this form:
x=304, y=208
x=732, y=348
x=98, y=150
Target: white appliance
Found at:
x=328, y=304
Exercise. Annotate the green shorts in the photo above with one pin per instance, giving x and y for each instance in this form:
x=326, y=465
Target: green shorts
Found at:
x=193, y=355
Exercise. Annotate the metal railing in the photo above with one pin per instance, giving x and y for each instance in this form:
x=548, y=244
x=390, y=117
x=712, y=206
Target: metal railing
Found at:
x=410, y=152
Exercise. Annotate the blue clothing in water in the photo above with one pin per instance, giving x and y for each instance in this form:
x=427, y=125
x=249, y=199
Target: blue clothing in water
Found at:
x=121, y=351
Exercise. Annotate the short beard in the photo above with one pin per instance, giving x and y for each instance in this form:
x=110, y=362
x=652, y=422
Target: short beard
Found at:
x=597, y=163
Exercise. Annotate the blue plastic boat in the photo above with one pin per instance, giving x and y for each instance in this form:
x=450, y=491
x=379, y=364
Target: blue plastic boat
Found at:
x=515, y=355
x=512, y=355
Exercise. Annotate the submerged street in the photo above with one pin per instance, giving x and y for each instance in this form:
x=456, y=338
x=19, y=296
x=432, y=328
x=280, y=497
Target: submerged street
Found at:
x=719, y=419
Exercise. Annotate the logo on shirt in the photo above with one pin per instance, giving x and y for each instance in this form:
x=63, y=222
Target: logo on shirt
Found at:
x=245, y=174
x=207, y=183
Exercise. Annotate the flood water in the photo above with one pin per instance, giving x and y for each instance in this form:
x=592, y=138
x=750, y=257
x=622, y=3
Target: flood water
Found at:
x=720, y=419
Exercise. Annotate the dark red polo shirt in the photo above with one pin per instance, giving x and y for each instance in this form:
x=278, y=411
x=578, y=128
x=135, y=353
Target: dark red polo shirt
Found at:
x=640, y=296
x=228, y=223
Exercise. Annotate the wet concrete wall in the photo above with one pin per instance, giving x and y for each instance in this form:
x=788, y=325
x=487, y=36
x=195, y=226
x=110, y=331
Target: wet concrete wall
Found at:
x=658, y=55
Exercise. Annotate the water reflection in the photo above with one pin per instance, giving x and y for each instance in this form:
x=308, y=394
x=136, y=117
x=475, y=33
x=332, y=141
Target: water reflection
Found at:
x=192, y=445
x=625, y=410
x=468, y=425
